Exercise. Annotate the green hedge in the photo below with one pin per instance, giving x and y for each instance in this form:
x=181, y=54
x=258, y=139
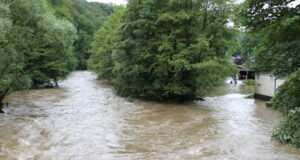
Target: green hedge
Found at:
x=288, y=95
x=288, y=131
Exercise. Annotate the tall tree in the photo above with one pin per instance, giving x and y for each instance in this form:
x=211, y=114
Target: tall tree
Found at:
x=173, y=49
x=11, y=63
x=44, y=41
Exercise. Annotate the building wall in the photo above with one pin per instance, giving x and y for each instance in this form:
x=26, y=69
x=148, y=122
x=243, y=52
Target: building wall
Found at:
x=265, y=84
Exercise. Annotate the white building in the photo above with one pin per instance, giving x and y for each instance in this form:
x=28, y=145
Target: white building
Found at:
x=266, y=85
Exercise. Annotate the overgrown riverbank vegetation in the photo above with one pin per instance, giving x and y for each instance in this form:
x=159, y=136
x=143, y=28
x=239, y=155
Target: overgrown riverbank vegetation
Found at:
x=287, y=100
x=174, y=50
x=42, y=41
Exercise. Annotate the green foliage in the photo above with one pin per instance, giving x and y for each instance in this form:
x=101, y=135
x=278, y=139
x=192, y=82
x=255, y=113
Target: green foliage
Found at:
x=87, y=18
x=44, y=41
x=249, y=82
x=276, y=41
x=103, y=46
x=257, y=14
x=288, y=131
x=287, y=96
x=11, y=72
x=166, y=50
x=39, y=47
x=246, y=45
x=278, y=51
x=5, y=21
x=11, y=63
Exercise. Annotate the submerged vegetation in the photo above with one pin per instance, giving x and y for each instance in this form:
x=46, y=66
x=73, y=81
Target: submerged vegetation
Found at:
x=249, y=82
x=166, y=50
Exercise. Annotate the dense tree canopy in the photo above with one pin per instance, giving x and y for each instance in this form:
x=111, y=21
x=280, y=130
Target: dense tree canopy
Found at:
x=38, y=40
x=11, y=63
x=44, y=41
x=168, y=50
x=87, y=18
x=274, y=27
x=258, y=14
x=103, y=46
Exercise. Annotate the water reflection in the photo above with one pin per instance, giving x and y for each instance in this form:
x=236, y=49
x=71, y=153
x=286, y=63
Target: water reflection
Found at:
x=85, y=120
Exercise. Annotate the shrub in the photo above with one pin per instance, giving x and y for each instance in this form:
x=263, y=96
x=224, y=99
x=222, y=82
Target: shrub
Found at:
x=288, y=131
x=288, y=95
x=249, y=82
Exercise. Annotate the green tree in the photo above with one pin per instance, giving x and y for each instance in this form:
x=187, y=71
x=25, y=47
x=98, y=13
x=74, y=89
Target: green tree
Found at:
x=39, y=48
x=54, y=59
x=44, y=41
x=104, y=46
x=277, y=25
x=87, y=18
x=287, y=96
x=11, y=63
x=173, y=49
x=257, y=14
x=247, y=44
x=278, y=51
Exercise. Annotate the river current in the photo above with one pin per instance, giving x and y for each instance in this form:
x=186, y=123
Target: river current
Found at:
x=85, y=120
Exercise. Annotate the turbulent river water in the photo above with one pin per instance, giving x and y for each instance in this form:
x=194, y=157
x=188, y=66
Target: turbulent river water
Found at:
x=85, y=120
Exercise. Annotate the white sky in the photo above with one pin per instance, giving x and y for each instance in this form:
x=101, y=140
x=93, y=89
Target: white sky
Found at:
x=123, y=2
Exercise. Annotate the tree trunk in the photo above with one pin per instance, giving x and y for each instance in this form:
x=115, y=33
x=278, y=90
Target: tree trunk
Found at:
x=56, y=83
x=1, y=106
x=5, y=93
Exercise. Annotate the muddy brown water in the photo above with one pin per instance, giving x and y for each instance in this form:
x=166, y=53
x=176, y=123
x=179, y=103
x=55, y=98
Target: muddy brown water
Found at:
x=85, y=120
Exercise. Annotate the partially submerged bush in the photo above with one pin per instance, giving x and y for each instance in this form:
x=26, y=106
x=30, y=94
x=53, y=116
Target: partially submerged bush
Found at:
x=288, y=95
x=288, y=131
x=249, y=82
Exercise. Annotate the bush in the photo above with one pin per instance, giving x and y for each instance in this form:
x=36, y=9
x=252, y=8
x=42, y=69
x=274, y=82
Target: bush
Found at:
x=249, y=82
x=288, y=131
x=288, y=95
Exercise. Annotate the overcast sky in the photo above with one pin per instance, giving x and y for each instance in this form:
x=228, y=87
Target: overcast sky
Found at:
x=124, y=1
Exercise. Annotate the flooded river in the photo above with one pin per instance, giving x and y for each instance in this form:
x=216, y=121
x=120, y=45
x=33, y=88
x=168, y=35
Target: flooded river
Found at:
x=85, y=120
